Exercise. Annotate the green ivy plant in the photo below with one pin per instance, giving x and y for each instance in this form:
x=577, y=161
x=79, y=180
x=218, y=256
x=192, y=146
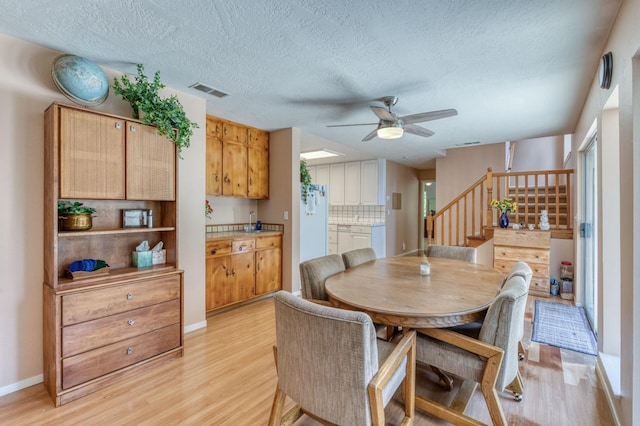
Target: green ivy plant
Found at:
x=305, y=179
x=67, y=207
x=167, y=114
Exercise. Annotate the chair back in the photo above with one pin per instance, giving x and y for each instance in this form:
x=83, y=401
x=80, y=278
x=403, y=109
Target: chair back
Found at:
x=521, y=269
x=314, y=272
x=358, y=256
x=502, y=325
x=469, y=254
x=326, y=358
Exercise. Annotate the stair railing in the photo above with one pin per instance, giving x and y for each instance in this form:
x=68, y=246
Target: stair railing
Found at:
x=470, y=213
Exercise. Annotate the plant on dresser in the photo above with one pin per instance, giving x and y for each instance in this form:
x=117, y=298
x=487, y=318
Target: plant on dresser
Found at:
x=98, y=329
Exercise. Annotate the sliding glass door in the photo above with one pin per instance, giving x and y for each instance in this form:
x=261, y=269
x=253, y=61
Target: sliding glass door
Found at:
x=588, y=234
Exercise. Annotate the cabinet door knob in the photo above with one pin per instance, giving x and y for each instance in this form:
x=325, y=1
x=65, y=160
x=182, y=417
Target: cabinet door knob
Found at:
x=129, y=296
x=240, y=248
x=129, y=351
x=131, y=322
x=118, y=125
x=132, y=128
x=217, y=178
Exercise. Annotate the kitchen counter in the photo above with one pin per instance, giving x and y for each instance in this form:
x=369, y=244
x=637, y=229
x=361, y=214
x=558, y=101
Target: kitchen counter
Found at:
x=212, y=236
x=355, y=223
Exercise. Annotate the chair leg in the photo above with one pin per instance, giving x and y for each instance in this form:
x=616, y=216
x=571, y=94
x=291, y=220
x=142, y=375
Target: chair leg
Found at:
x=276, y=408
x=520, y=351
x=488, y=388
x=444, y=381
x=517, y=387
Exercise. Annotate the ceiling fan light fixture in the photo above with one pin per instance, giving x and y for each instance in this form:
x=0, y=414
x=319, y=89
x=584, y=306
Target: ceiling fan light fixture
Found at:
x=392, y=131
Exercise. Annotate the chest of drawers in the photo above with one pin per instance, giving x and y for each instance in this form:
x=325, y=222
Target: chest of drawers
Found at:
x=532, y=247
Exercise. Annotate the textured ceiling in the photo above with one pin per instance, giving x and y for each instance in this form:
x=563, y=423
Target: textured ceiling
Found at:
x=512, y=69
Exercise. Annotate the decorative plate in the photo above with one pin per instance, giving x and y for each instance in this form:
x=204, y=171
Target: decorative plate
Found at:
x=80, y=80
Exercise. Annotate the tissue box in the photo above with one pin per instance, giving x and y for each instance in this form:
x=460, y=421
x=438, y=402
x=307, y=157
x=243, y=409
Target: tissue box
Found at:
x=142, y=259
x=159, y=257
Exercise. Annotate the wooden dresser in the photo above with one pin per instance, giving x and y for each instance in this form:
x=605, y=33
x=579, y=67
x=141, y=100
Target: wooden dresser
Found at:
x=100, y=327
x=532, y=247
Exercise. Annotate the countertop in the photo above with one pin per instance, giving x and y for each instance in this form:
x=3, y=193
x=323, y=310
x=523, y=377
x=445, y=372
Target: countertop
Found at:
x=354, y=223
x=211, y=236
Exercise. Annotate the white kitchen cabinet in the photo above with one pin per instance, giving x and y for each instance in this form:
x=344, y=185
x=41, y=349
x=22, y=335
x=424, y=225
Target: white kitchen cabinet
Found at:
x=333, y=239
x=336, y=184
x=371, y=186
x=351, y=237
x=323, y=174
x=352, y=183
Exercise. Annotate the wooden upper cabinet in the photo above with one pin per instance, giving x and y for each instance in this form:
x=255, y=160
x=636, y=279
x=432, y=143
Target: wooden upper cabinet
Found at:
x=234, y=169
x=151, y=164
x=92, y=155
x=234, y=133
x=259, y=138
x=258, y=164
x=214, y=156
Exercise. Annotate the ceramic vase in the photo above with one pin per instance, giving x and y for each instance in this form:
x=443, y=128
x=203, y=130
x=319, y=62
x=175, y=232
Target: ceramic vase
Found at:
x=504, y=219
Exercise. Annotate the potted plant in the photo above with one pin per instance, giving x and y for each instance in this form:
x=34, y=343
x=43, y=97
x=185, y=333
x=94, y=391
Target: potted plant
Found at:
x=74, y=216
x=167, y=114
x=305, y=179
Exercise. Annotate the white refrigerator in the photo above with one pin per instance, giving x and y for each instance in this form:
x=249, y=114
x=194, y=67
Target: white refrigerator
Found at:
x=314, y=223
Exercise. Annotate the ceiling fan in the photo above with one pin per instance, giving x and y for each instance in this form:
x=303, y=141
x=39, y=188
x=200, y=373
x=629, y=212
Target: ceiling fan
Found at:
x=391, y=126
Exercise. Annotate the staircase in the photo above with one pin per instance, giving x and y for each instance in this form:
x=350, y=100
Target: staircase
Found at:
x=469, y=219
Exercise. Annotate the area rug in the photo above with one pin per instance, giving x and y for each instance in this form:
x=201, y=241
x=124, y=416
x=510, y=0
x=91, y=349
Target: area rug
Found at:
x=563, y=326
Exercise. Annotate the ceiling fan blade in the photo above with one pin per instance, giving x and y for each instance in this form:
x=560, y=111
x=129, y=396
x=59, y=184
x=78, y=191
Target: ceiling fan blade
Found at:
x=383, y=114
x=417, y=130
x=428, y=116
x=348, y=125
x=370, y=136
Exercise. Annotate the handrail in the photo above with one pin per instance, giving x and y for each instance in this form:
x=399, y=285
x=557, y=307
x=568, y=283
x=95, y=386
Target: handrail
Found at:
x=471, y=214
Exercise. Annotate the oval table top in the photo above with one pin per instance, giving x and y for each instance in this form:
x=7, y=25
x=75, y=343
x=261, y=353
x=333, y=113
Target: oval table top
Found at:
x=392, y=291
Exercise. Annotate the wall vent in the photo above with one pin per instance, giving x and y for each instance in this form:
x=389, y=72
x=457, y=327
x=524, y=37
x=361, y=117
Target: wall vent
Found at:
x=468, y=143
x=208, y=90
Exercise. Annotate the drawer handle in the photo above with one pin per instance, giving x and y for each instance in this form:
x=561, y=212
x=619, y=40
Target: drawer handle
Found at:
x=213, y=252
x=129, y=296
x=129, y=351
x=240, y=248
x=131, y=322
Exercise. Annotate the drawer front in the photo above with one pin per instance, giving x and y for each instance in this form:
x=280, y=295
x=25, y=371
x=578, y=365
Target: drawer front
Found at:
x=521, y=238
x=89, y=305
x=333, y=238
x=268, y=242
x=529, y=255
x=540, y=285
x=89, y=335
x=539, y=269
x=241, y=246
x=218, y=247
x=89, y=365
x=361, y=229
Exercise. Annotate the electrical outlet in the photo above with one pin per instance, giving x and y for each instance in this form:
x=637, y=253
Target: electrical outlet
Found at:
x=286, y=215
x=403, y=246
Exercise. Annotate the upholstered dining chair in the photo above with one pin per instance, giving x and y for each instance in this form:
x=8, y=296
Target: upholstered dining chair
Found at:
x=342, y=374
x=358, y=256
x=469, y=254
x=313, y=274
x=490, y=360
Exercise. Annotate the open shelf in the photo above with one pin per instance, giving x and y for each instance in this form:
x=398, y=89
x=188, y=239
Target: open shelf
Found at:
x=63, y=234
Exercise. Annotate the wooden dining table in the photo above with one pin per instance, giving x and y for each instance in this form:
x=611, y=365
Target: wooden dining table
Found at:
x=392, y=291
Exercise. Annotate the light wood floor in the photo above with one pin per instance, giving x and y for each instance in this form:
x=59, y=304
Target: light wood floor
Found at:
x=227, y=377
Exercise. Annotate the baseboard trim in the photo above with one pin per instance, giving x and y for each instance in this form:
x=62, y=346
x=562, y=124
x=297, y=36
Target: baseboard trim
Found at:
x=196, y=326
x=14, y=387
x=608, y=392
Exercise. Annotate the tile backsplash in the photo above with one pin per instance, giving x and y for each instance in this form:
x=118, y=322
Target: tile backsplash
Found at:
x=365, y=214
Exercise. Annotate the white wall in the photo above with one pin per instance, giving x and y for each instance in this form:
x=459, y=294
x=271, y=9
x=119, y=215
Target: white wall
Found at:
x=624, y=43
x=26, y=90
